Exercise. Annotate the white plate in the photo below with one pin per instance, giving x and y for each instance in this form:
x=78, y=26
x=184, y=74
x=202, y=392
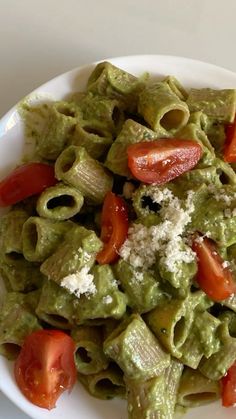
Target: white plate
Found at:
x=79, y=405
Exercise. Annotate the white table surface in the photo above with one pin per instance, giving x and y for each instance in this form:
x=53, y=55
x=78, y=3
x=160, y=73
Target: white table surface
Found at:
x=41, y=39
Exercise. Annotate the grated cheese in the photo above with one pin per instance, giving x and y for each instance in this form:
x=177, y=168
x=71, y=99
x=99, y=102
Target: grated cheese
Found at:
x=220, y=194
x=107, y=299
x=225, y=264
x=80, y=283
x=143, y=243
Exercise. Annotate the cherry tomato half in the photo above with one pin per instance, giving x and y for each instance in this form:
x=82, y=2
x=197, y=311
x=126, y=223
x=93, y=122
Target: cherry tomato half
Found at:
x=213, y=278
x=230, y=143
x=114, y=228
x=228, y=382
x=24, y=181
x=161, y=160
x=45, y=367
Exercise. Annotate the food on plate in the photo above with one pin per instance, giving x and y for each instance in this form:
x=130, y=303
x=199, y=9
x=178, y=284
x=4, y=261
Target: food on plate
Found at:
x=118, y=253
x=45, y=367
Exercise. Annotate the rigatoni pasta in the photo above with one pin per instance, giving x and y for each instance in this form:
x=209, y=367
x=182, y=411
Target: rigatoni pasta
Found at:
x=113, y=258
x=77, y=168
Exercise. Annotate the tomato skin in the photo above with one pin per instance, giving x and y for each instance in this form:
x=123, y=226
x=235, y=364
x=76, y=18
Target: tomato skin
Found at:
x=215, y=280
x=24, y=181
x=162, y=160
x=230, y=143
x=228, y=382
x=114, y=228
x=45, y=367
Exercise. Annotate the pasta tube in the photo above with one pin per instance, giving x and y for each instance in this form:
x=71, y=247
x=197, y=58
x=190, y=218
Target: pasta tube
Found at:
x=93, y=137
x=154, y=398
x=77, y=251
x=218, y=364
x=59, y=124
x=171, y=323
x=142, y=288
x=107, y=301
x=19, y=274
x=102, y=112
x=196, y=390
x=106, y=384
x=11, y=232
x=162, y=109
x=59, y=202
x=17, y=322
x=112, y=82
x=136, y=350
x=41, y=237
x=75, y=167
x=219, y=105
x=145, y=398
x=89, y=355
x=56, y=306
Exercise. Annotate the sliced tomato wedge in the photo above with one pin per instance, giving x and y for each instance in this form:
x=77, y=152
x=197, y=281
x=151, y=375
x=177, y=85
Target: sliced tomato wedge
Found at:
x=228, y=393
x=230, y=143
x=24, y=181
x=162, y=160
x=114, y=228
x=45, y=367
x=213, y=278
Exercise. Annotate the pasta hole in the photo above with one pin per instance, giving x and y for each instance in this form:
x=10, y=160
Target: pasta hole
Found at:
x=179, y=331
x=147, y=203
x=106, y=385
x=172, y=119
x=67, y=167
x=96, y=73
x=204, y=396
x=32, y=235
x=116, y=115
x=82, y=354
x=66, y=110
x=56, y=320
x=11, y=350
x=223, y=177
x=70, y=159
x=93, y=130
x=61, y=201
x=12, y=256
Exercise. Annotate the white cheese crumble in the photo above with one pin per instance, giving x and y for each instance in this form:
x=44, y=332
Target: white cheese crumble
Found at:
x=220, y=194
x=107, y=299
x=143, y=243
x=225, y=264
x=138, y=276
x=80, y=283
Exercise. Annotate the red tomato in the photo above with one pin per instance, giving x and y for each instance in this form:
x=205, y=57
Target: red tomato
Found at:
x=230, y=143
x=228, y=382
x=162, y=160
x=26, y=180
x=45, y=367
x=114, y=228
x=214, y=279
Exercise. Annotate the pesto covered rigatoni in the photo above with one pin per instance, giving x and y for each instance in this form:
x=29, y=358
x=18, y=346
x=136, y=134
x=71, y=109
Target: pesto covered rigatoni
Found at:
x=60, y=202
x=118, y=255
x=135, y=349
x=77, y=168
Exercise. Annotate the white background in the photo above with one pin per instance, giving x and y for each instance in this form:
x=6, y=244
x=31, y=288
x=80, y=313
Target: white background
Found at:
x=41, y=39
